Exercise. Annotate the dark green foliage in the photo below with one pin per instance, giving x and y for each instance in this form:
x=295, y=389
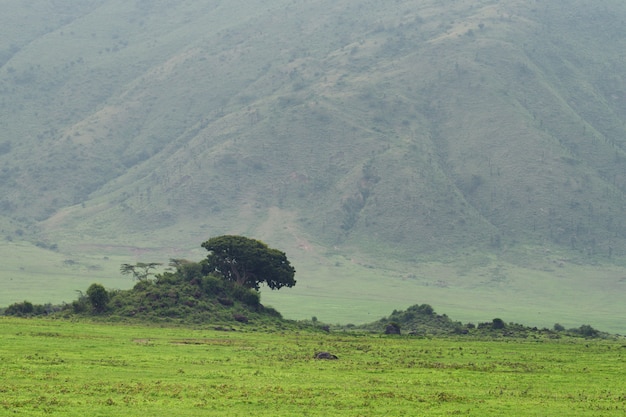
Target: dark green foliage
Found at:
x=248, y=262
x=393, y=328
x=424, y=309
x=188, y=270
x=20, y=309
x=249, y=297
x=418, y=319
x=79, y=306
x=272, y=312
x=98, y=297
x=240, y=318
x=184, y=295
x=142, y=285
x=497, y=324
x=586, y=331
x=27, y=309
x=212, y=284
x=422, y=320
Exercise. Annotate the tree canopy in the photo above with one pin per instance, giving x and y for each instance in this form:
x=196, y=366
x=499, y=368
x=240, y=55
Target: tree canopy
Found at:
x=98, y=297
x=140, y=271
x=249, y=262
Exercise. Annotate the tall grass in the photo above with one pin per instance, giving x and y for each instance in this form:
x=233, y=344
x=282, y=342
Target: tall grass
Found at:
x=77, y=369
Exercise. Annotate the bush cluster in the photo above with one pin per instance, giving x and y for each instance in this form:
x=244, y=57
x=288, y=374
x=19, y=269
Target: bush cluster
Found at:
x=422, y=320
x=28, y=309
x=187, y=295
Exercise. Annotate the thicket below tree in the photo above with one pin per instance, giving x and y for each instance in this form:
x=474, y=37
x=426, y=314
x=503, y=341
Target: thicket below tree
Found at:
x=186, y=293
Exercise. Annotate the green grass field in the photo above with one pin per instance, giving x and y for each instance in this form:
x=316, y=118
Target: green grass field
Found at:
x=83, y=368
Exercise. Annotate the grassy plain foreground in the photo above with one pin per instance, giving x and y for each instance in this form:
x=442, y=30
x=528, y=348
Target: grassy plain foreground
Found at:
x=77, y=369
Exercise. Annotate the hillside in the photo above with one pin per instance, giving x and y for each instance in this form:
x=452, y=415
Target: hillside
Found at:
x=426, y=130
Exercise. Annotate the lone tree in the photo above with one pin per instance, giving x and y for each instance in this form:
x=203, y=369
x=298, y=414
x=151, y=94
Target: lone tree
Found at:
x=249, y=262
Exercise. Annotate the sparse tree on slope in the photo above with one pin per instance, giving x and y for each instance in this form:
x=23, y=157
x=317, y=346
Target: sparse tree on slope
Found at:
x=140, y=271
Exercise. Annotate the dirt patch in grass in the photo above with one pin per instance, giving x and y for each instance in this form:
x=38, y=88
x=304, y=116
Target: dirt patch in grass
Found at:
x=202, y=342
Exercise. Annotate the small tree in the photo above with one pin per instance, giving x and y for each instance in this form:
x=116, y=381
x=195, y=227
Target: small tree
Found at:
x=249, y=262
x=140, y=271
x=587, y=331
x=98, y=297
x=498, y=324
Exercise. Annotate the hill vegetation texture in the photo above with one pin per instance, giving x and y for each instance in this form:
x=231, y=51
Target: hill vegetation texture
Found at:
x=426, y=128
x=420, y=127
x=187, y=294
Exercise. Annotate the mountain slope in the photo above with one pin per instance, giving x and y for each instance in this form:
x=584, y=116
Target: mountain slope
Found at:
x=422, y=129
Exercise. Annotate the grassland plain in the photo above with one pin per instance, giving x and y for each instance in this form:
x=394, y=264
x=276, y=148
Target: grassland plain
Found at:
x=84, y=368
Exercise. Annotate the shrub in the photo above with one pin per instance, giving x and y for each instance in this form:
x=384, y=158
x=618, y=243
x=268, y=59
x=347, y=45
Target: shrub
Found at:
x=98, y=297
x=226, y=302
x=25, y=308
x=80, y=305
x=271, y=311
x=247, y=296
x=166, y=278
x=190, y=271
x=587, y=331
x=498, y=324
x=142, y=286
x=392, y=328
x=424, y=309
x=212, y=285
x=240, y=318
